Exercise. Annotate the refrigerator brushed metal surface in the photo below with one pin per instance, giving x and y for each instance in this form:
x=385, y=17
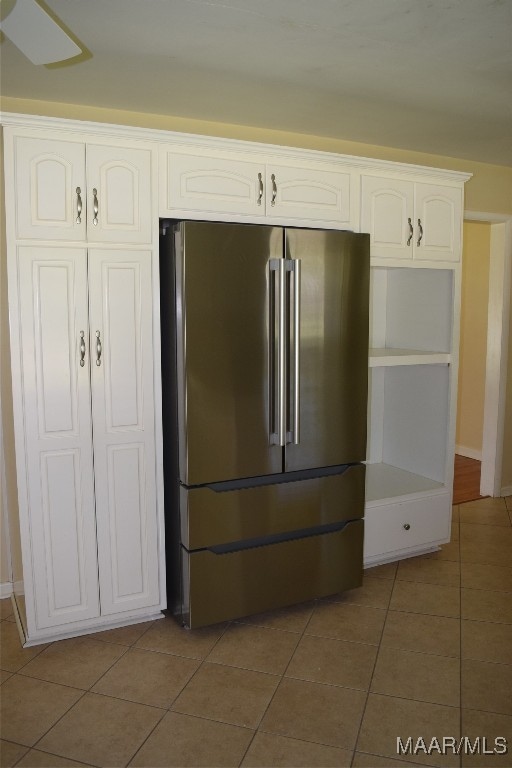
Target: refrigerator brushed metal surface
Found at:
x=335, y=269
x=223, y=351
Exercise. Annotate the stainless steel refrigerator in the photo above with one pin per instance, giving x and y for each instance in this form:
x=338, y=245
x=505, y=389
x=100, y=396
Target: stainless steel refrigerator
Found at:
x=265, y=366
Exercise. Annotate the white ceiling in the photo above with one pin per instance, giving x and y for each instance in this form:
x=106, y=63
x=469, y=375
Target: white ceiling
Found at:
x=426, y=75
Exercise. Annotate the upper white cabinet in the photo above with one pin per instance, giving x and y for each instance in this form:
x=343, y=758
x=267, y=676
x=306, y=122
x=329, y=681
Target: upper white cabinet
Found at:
x=68, y=190
x=411, y=220
x=194, y=185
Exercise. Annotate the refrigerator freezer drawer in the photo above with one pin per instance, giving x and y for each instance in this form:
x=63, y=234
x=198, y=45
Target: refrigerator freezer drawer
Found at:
x=210, y=517
x=219, y=587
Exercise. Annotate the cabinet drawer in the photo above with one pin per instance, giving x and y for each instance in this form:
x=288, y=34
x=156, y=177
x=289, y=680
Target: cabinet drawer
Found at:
x=219, y=587
x=406, y=525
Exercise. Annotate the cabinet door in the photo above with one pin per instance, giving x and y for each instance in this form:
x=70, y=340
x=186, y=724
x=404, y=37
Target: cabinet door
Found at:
x=387, y=214
x=212, y=183
x=50, y=189
x=307, y=193
x=438, y=212
x=58, y=435
x=124, y=436
x=118, y=194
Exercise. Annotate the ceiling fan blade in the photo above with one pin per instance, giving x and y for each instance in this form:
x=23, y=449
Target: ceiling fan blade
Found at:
x=37, y=35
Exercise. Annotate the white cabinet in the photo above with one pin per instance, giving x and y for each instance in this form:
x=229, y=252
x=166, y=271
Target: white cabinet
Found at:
x=82, y=292
x=411, y=220
x=67, y=190
x=197, y=185
x=411, y=414
x=90, y=474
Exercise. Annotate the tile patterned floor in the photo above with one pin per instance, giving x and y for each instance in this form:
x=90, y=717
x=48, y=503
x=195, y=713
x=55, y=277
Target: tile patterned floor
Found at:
x=422, y=649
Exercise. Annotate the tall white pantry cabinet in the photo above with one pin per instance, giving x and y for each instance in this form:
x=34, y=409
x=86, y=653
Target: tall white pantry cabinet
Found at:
x=82, y=262
x=83, y=203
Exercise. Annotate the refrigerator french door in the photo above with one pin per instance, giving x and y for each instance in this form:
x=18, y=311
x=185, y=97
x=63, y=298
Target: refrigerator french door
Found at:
x=265, y=361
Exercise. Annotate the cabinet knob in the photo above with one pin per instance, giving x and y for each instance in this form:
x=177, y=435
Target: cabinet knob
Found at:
x=407, y=526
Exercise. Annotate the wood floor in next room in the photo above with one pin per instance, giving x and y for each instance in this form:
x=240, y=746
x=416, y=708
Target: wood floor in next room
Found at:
x=466, y=481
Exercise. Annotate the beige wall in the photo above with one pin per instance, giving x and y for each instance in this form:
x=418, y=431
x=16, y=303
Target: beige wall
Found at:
x=489, y=190
x=473, y=338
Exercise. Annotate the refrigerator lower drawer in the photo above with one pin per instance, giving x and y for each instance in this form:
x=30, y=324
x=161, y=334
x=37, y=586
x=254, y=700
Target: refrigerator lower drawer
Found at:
x=210, y=517
x=219, y=587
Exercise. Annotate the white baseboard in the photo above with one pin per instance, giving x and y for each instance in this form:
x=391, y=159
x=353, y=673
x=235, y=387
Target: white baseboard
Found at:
x=5, y=589
x=469, y=453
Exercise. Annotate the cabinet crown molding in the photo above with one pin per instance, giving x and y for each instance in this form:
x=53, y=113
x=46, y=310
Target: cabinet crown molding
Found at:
x=183, y=141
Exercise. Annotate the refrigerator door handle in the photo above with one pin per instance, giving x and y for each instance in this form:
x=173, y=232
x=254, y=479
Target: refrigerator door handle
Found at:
x=296, y=355
x=277, y=352
x=293, y=436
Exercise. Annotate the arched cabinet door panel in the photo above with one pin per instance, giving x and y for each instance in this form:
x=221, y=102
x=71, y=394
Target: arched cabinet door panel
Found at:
x=438, y=222
x=50, y=194
x=386, y=213
x=118, y=194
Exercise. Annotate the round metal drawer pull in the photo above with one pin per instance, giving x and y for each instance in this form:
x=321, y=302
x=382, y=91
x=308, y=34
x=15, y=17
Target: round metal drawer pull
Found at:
x=406, y=526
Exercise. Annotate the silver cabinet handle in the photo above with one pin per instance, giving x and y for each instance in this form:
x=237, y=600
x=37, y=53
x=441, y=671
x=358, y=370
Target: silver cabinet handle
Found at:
x=98, y=348
x=274, y=190
x=82, y=347
x=78, y=205
x=95, y=206
x=410, y=232
x=421, y=232
x=260, y=196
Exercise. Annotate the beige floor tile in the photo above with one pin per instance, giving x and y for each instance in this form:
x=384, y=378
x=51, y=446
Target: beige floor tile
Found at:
x=10, y=753
x=386, y=719
x=123, y=635
x=455, y=530
x=30, y=707
x=485, y=641
x=271, y=750
x=455, y=513
x=256, y=648
x=294, y=618
x=37, y=759
x=484, y=515
x=334, y=662
x=375, y=592
x=12, y=655
x=4, y=675
x=487, y=686
x=384, y=571
x=167, y=636
x=493, y=577
x=147, y=677
x=476, y=724
x=483, y=605
x=432, y=599
x=78, y=662
x=441, y=572
x=180, y=741
x=362, y=760
x=489, y=544
x=101, y=730
x=356, y=623
x=417, y=632
x=321, y=713
x=5, y=608
x=497, y=504
x=419, y=676
x=227, y=694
